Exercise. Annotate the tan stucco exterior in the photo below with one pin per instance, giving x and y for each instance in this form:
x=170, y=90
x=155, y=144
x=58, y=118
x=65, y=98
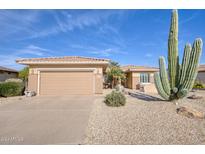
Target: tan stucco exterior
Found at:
x=133, y=81
x=128, y=82
x=32, y=82
x=77, y=79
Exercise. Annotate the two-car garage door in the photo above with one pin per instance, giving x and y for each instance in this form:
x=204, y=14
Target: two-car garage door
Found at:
x=66, y=83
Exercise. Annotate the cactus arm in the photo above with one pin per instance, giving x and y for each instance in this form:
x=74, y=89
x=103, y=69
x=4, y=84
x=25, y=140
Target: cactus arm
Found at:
x=178, y=74
x=185, y=62
x=164, y=76
x=173, y=49
x=192, y=83
x=159, y=87
x=198, y=50
x=193, y=65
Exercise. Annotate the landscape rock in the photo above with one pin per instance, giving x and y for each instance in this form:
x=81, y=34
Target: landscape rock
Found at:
x=29, y=93
x=190, y=113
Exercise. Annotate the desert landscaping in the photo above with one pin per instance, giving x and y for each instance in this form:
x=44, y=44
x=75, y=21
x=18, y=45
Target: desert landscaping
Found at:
x=145, y=120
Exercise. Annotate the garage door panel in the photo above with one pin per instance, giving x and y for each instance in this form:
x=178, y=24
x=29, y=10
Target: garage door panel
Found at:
x=66, y=83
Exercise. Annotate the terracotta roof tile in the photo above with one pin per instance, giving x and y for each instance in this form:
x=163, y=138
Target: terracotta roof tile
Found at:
x=65, y=59
x=130, y=68
x=133, y=68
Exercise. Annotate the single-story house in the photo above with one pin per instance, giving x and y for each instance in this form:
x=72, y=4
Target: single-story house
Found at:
x=138, y=77
x=7, y=73
x=201, y=74
x=70, y=75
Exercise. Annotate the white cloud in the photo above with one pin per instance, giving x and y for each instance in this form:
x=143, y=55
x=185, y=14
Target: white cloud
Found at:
x=17, y=22
x=194, y=15
x=34, y=50
x=111, y=36
x=30, y=50
x=66, y=21
x=148, y=55
x=98, y=50
x=104, y=29
x=107, y=52
x=94, y=17
x=28, y=24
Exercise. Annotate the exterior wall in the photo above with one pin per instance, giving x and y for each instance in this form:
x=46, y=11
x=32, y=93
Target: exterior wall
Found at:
x=98, y=75
x=32, y=82
x=201, y=77
x=129, y=80
x=152, y=78
x=98, y=84
x=133, y=81
x=99, y=80
x=150, y=88
x=6, y=75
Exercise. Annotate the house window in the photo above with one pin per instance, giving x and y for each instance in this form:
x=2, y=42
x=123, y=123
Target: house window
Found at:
x=144, y=78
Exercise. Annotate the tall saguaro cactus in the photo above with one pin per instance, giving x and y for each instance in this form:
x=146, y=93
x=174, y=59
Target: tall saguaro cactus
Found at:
x=180, y=78
x=173, y=58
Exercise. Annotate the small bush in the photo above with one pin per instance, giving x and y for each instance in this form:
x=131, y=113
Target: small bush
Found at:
x=115, y=99
x=13, y=80
x=11, y=89
x=198, y=85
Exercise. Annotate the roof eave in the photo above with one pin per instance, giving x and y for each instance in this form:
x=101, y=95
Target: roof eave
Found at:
x=12, y=71
x=61, y=62
x=143, y=70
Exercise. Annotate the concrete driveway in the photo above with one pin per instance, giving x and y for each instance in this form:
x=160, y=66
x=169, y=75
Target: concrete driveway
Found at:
x=45, y=120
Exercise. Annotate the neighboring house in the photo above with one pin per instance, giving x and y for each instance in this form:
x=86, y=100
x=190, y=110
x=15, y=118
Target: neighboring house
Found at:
x=138, y=77
x=201, y=74
x=6, y=73
x=71, y=75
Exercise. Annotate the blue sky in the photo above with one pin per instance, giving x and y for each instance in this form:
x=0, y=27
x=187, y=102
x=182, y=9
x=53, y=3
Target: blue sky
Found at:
x=136, y=37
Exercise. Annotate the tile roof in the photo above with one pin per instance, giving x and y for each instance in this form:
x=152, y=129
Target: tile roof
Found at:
x=7, y=69
x=63, y=60
x=133, y=68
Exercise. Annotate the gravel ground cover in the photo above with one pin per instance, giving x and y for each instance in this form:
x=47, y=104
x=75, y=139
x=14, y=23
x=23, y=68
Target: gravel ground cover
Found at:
x=144, y=120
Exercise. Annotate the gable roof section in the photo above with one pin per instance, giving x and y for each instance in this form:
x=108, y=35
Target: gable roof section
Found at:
x=7, y=69
x=63, y=60
x=133, y=68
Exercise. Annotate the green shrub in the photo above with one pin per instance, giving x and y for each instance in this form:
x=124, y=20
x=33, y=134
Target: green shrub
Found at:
x=198, y=85
x=11, y=89
x=115, y=99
